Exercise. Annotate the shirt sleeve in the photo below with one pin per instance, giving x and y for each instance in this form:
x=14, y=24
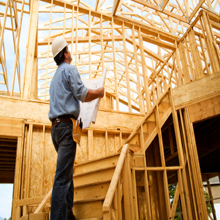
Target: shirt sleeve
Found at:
x=77, y=87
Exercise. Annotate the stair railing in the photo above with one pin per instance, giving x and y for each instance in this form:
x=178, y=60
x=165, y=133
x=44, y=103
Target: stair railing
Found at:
x=112, y=206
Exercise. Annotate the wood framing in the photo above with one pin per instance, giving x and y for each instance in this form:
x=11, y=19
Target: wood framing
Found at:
x=162, y=93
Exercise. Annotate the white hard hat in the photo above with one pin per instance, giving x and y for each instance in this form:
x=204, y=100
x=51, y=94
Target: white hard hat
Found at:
x=58, y=44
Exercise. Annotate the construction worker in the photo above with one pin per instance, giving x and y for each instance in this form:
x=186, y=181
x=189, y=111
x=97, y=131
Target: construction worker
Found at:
x=66, y=90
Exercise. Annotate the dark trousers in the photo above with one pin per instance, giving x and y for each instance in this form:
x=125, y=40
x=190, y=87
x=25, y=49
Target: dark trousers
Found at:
x=63, y=189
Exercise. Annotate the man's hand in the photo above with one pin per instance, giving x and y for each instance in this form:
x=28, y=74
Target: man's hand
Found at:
x=101, y=91
x=94, y=94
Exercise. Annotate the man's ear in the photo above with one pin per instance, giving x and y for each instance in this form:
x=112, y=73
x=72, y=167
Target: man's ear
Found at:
x=65, y=55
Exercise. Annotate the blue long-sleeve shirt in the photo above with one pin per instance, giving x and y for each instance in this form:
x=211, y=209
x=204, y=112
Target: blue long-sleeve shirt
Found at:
x=66, y=89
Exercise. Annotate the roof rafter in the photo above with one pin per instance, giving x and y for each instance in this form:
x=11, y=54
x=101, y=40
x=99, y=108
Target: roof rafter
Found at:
x=162, y=4
x=115, y=6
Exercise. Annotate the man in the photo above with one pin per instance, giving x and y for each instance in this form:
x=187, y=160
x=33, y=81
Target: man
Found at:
x=66, y=90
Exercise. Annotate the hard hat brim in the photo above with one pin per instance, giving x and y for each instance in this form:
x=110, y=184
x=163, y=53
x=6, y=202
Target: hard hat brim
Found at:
x=60, y=51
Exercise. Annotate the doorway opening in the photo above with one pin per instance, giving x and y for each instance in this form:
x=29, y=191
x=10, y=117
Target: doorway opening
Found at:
x=8, y=147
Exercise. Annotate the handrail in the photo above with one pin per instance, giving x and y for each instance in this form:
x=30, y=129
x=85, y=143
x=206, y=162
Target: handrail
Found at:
x=112, y=188
x=42, y=204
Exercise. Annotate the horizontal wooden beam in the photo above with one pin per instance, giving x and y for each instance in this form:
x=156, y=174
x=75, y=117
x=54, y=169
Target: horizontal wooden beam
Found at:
x=196, y=91
x=29, y=201
x=81, y=39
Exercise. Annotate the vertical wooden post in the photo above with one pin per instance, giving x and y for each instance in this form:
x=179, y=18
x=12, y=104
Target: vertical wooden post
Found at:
x=119, y=199
x=30, y=61
x=28, y=161
x=211, y=200
x=192, y=70
x=185, y=183
x=126, y=69
x=3, y=24
x=43, y=158
x=147, y=195
x=182, y=195
x=142, y=139
x=34, y=82
x=76, y=45
x=135, y=202
x=18, y=175
x=160, y=188
x=197, y=179
x=137, y=72
x=187, y=7
x=211, y=44
x=127, y=189
x=18, y=213
x=195, y=55
x=180, y=73
x=203, y=53
x=72, y=32
x=115, y=67
x=144, y=71
x=17, y=49
x=90, y=58
x=184, y=62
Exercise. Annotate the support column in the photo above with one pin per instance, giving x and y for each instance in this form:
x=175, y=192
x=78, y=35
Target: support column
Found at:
x=30, y=70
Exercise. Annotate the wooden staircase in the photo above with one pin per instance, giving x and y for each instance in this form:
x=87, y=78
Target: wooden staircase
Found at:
x=91, y=183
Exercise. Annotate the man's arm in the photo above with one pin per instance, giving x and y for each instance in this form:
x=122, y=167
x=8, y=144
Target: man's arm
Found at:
x=94, y=94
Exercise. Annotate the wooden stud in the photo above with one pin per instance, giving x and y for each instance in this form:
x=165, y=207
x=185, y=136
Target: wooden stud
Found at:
x=115, y=67
x=200, y=199
x=126, y=68
x=195, y=55
x=43, y=159
x=211, y=200
x=137, y=72
x=17, y=48
x=28, y=161
x=185, y=184
x=90, y=57
x=144, y=72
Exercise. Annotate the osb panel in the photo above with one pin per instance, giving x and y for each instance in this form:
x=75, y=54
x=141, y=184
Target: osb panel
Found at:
x=117, y=142
x=204, y=109
x=98, y=145
x=50, y=157
x=24, y=163
x=36, y=162
x=82, y=150
x=112, y=120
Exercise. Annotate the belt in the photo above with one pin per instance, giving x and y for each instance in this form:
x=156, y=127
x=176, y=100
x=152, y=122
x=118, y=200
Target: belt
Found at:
x=62, y=118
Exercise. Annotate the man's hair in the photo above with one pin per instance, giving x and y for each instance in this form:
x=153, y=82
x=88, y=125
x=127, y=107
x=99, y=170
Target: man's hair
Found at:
x=59, y=58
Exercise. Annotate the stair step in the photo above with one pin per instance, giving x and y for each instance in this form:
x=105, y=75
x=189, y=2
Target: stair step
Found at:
x=83, y=201
x=94, y=177
x=91, y=184
x=88, y=210
x=90, y=219
x=94, y=171
x=91, y=191
x=96, y=164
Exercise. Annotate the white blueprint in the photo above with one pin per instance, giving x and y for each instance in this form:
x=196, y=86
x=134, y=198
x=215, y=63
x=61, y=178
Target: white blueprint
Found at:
x=89, y=110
